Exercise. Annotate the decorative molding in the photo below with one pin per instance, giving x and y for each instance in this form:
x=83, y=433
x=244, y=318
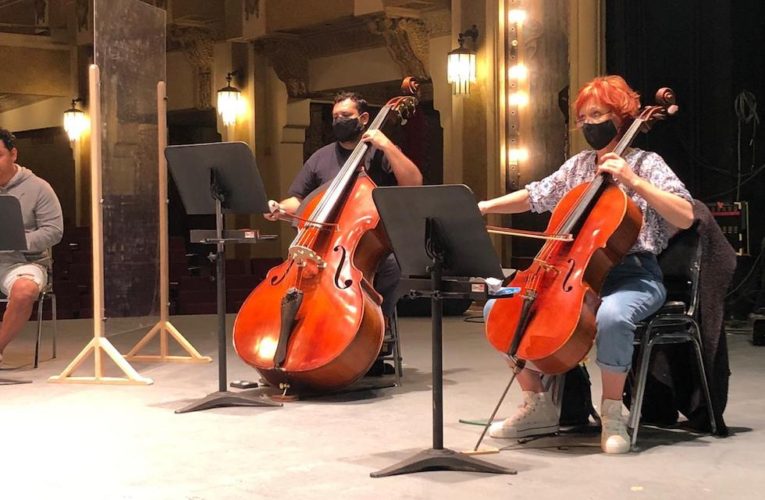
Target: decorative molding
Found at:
x=160, y=4
x=287, y=55
x=251, y=7
x=407, y=43
x=197, y=45
x=83, y=15
x=349, y=37
x=41, y=12
x=438, y=22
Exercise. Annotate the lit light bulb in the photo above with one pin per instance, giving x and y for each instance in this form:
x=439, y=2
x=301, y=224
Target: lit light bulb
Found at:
x=75, y=122
x=519, y=99
x=518, y=154
x=517, y=16
x=518, y=72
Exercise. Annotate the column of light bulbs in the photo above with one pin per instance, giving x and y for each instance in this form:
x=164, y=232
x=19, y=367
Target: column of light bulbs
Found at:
x=517, y=85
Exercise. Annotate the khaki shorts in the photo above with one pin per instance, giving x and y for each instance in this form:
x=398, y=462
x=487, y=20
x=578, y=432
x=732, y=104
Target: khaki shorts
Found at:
x=9, y=275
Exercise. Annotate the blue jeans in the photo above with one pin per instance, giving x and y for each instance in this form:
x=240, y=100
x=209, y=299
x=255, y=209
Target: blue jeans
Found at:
x=633, y=290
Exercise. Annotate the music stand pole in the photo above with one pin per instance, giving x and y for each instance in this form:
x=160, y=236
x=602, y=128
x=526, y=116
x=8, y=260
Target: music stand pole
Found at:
x=436, y=326
x=223, y=397
x=438, y=457
x=220, y=284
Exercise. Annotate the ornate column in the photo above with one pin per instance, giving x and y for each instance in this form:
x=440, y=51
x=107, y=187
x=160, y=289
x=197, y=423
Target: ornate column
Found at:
x=287, y=55
x=407, y=43
x=197, y=44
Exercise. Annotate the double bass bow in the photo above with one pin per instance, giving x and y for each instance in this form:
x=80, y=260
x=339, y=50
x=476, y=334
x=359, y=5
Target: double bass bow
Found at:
x=551, y=322
x=315, y=322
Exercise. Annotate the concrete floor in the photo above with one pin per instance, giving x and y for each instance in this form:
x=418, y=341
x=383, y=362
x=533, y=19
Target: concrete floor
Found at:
x=124, y=442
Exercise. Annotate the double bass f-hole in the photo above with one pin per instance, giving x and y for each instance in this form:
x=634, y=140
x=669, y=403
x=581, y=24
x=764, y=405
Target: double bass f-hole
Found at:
x=340, y=283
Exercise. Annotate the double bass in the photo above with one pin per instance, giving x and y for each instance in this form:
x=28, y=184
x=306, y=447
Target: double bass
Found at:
x=551, y=321
x=315, y=323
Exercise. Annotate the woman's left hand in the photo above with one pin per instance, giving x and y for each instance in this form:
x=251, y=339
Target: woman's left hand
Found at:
x=611, y=163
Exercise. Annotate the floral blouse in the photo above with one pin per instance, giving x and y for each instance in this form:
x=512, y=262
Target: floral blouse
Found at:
x=545, y=194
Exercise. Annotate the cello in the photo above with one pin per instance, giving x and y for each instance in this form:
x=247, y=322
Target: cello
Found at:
x=551, y=322
x=315, y=323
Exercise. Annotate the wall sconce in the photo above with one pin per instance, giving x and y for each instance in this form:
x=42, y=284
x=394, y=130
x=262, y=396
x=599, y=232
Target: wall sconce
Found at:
x=230, y=101
x=461, y=64
x=75, y=121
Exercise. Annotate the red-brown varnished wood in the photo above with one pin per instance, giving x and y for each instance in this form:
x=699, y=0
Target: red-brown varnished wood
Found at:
x=339, y=329
x=567, y=277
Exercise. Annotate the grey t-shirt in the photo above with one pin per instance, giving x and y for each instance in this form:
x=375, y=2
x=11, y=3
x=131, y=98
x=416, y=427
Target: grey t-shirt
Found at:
x=43, y=220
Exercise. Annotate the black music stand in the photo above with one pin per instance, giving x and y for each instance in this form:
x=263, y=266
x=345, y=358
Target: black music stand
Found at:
x=12, y=239
x=215, y=179
x=437, y=231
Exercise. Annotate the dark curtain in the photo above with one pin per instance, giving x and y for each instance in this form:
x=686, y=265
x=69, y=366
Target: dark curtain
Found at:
x=708, y=51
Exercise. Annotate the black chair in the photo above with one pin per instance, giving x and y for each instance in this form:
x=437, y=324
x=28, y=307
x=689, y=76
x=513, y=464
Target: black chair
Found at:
x=392, y=345
x=675, y=323
x=46, y=293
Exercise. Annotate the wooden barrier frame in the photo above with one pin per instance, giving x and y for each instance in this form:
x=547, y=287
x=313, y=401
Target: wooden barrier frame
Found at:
x=99, y=345
x=164, y=326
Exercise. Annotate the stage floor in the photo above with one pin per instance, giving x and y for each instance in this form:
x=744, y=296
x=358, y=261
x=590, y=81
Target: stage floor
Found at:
x=106, y=441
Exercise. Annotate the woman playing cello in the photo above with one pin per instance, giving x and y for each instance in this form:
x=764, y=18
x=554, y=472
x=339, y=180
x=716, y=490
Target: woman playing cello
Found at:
x=633, y=289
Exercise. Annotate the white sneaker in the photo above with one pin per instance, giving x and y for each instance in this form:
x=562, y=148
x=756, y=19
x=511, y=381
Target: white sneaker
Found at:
x=613, y=437
x=536, y=415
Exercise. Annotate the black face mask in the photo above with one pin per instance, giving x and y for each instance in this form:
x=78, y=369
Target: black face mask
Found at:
x=346, y=129
x=599, y=135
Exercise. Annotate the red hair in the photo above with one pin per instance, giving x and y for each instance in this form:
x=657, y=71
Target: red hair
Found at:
x=613, y=92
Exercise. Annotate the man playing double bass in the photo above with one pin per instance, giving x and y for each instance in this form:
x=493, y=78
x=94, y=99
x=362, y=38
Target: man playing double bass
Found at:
x=385, y=164
x=633, y=289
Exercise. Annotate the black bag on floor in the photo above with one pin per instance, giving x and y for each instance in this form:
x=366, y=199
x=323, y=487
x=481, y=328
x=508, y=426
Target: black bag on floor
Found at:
x=576, y=400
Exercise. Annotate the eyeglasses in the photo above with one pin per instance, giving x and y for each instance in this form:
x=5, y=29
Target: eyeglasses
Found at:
x=593, y=117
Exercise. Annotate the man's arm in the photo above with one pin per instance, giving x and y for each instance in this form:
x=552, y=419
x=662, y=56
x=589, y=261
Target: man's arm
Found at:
x=406, y=172
x=50, y=222
x=289, y=205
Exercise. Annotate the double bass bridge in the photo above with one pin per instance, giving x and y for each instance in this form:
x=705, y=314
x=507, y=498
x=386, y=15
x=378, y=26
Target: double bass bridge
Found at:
x=303, y=255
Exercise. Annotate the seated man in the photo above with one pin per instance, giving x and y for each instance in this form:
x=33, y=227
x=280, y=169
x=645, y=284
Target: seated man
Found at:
x=22, y=276
x=385, y=164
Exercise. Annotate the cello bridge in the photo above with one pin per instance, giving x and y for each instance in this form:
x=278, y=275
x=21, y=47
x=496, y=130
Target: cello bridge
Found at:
x=547, y=267
x=303, y=255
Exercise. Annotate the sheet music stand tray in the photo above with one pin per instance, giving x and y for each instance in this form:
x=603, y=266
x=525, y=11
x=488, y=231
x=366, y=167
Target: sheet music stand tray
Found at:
x=437, y=231
x=220, y=178
x=12, y=239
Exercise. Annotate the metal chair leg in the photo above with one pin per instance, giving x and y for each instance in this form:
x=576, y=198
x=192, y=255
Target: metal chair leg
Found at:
x=639, y=391
x=40, y=307
x=54, y=317
x=704, y=383
x=397, y=359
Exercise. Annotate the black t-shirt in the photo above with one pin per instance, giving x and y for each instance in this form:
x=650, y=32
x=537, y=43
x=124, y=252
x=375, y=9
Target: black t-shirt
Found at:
x=326, y=163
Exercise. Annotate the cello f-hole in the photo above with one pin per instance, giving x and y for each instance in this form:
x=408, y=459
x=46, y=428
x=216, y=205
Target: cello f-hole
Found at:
x=566, y=286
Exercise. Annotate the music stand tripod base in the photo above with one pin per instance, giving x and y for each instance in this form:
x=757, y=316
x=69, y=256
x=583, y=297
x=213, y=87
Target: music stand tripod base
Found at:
x=441, y=459
x=226, y=398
